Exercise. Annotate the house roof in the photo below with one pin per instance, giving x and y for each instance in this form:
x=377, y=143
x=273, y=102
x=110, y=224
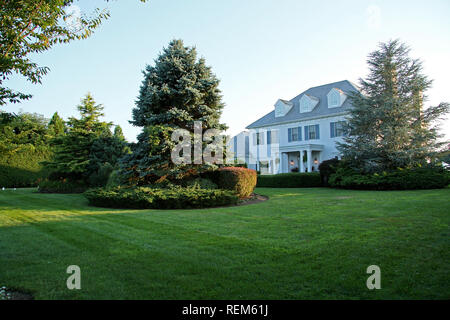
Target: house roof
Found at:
x=286, y=102
x=321, y=109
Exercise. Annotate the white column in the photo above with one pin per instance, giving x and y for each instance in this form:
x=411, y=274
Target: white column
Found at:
x=320, y=159
x=284, y=162
x=309, y=160
x=302, y=167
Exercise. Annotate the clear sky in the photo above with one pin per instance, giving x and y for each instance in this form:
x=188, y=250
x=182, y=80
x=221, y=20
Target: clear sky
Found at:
x=261, y=50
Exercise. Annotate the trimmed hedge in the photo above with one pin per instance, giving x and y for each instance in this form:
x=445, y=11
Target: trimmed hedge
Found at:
x=150, y=198
x=290, y=180
x=22, y=169
x=241, y=181
x=401, y=179
x=61, y=186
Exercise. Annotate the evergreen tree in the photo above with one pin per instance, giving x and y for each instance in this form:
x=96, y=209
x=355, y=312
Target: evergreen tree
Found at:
x=56, y=125
x=72, y=150
x=388, y=126
x=178, y=90
x=118, y=133
x=104, y=155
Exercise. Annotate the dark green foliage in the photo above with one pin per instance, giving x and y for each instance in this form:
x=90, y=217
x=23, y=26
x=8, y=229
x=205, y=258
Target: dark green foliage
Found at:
x=99, y=177
x=445, y=156
x=88, y=152
x=72, y=150
x=22, y=169
x=24, y=143
x=62, y=186
x=388, y=125
x=241, y=181
x=114, y=179
x=152, y=198
x=201, y=183
x=327, y=168
x=103, y=158
x=177, y=91
x=290, y=180
x=400, y=179
x=146, y=164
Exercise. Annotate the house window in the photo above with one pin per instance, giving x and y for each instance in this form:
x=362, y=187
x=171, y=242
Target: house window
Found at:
x=337, y=129
x=272, y=137
x=334, y=99
x=295, y=134
x=259, y=138
x=312, y=132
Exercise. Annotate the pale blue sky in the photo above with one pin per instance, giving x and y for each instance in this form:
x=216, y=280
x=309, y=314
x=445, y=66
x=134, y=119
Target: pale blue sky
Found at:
x=261, y=50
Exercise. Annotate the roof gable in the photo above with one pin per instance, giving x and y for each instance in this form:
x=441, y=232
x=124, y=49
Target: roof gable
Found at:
x=321, y=109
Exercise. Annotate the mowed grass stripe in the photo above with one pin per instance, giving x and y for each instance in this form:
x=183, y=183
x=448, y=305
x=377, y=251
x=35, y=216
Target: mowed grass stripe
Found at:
x=302, y=243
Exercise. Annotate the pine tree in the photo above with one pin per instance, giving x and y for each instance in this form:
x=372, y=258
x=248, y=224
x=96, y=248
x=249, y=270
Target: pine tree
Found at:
x=56, y=125
x=388, y=126
x=178, y=90
x=118, y=133
x=72, y=150
x=104, y=156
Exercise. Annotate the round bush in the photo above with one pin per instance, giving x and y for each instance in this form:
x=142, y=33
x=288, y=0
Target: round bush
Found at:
x=241, y=181
x=152, y=198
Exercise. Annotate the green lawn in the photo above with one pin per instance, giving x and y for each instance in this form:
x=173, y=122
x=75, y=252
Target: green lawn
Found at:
x=301, y=244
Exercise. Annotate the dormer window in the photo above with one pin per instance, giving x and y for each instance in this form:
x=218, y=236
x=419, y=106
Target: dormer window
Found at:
x=308, y=103
x=336, y=98
x=282, y=107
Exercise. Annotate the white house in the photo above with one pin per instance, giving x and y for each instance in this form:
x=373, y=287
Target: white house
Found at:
x=298, y=134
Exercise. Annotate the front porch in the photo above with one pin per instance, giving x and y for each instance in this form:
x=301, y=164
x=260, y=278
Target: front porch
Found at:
x=301, y=158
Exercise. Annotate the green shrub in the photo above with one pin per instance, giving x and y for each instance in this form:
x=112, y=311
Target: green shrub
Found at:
x=400, y=179
x=100, y=178
x=290, y=180
x=114, y=179
x=22, y=168
x=151, y=198
x=241, y=181
x=61, y=186
x=327, y=168
x=201, y=183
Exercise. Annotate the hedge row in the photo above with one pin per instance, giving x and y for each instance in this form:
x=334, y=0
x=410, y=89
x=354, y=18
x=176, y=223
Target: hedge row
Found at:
x=22, y=169
x=61, y=186
x=290, y=180
x=150, y=198
x=401, y=179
